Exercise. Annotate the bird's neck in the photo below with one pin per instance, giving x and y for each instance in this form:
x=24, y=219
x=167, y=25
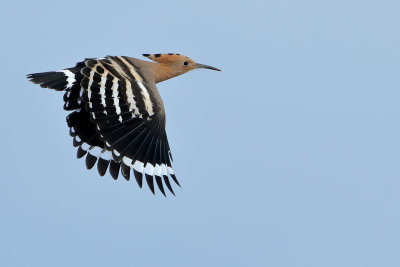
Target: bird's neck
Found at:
x=163, y=72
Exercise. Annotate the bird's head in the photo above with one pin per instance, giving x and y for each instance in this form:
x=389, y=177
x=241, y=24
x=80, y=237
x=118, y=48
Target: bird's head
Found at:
x=179, y=63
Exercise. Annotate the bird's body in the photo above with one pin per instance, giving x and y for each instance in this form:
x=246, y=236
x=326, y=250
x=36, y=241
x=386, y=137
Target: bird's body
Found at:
x=117, y=115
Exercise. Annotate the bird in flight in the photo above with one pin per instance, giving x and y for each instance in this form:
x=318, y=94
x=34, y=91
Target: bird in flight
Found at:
x=117, y=116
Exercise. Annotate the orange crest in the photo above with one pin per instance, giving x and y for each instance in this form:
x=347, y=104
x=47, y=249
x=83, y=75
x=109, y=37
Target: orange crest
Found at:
x=168, y=59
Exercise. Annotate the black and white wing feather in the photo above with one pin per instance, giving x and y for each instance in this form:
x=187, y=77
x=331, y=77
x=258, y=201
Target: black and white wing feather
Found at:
x=118, y=118
x=129, y=118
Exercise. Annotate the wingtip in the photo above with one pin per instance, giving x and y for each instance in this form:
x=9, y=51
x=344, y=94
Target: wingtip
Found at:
x=114, y=169
x=138, y=177
x=150, y=183
x=168, y=184
x=102, y=166
x=80, y=153
x=125, y=171
x=90, y=161
x=160, y=185
x=175, y=180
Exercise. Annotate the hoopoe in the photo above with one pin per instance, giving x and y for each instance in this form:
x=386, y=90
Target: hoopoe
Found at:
x=117, y=116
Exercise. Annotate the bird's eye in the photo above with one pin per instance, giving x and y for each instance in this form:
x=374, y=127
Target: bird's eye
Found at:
x=186, y=63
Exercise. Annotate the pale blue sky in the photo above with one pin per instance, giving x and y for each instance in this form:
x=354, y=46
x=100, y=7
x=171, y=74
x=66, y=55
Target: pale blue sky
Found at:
x=288, y=157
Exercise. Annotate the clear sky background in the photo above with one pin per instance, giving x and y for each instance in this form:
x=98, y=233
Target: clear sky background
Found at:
x=288, y=157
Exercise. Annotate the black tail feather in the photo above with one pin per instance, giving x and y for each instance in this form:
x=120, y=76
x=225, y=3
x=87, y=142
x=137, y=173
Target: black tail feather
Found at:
x=52, y=79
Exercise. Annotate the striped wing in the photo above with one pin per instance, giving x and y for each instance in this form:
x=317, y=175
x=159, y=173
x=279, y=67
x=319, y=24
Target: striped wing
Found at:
x=128, y=118
x=117, y=121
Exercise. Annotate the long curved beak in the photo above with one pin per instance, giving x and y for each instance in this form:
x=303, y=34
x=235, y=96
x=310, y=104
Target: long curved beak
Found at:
x=202, y=66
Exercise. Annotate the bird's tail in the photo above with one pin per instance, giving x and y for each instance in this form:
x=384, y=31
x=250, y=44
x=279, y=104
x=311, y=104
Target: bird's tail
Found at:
x=58, y=80
x=68, y=80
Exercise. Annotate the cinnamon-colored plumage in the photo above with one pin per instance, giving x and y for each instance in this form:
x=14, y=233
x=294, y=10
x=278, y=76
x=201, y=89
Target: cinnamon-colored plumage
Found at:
x=167, y=66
